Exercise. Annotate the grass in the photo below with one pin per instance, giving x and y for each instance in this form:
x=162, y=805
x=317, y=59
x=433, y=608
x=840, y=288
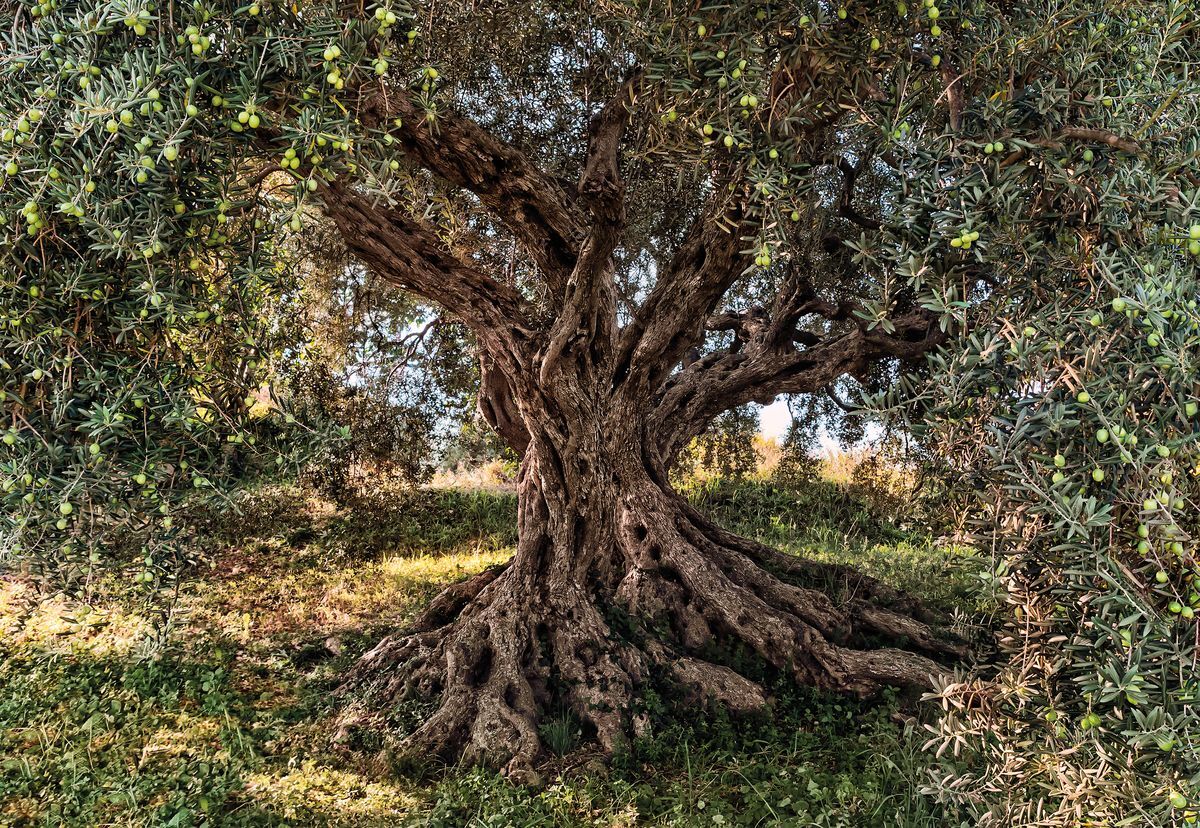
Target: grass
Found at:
x=226, y=719
x=825, y=520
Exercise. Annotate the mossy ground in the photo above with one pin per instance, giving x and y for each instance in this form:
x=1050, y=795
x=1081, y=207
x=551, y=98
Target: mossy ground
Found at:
x=220, y=712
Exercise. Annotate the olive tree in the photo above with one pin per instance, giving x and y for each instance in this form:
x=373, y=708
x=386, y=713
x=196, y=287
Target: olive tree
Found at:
x=1065, y=416
x=644, y=214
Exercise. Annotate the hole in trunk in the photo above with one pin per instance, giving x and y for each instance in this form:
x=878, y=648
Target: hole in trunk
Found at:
x=481, y=669
x=671, y=575
x=586, y=653
x=580, y=533
x=622, y=370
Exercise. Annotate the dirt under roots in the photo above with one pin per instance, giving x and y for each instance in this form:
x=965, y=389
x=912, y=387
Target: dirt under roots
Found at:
x=499, y=649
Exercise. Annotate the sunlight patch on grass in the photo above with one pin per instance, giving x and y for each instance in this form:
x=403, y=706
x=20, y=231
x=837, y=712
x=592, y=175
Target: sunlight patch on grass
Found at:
x=443, y=568
x=386, y=592
x=59, y=624
x=183, y=736
x=311, y=792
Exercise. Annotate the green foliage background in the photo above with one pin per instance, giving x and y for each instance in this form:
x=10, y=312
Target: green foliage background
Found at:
x=1032, y=170
x=1066, y=413
x=145, y=277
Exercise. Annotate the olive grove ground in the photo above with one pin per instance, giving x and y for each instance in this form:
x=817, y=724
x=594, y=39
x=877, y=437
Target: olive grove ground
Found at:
x=228, y=721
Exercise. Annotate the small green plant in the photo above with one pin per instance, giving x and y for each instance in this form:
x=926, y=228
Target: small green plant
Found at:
x=560, y=733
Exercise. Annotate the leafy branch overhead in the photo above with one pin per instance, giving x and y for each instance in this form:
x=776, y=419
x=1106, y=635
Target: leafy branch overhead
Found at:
x=644, y=215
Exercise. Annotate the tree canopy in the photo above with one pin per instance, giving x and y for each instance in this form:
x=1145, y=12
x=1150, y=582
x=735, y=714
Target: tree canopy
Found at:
x=202, y=141
x=645, y=214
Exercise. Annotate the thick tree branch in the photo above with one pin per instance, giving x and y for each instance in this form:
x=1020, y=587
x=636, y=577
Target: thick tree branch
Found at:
x=711, y=258
x=533, y=205
x=763, y=371
x=498, y=405
x=672, y=319
x=600, y=185
x=407, y=252
x=797, y=298
x=953, y=93
x=745, y=325
x=588, y=319
x=1082, y=134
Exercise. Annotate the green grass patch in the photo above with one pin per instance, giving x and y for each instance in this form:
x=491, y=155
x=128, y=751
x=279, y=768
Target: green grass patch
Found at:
x=830, y=522
x=225, y=718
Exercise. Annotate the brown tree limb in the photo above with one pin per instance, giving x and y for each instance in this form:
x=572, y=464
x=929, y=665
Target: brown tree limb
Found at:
x=712, y=257
x=1082, y=134
x=846, y=208
x=1101, y=136
x=498, y=406
x=700, y=392
x=533, y=205
x=408, y=252
x=796, y=299
x=672, y=318
x=601, y=186
x=953, y=93
x=587, y=323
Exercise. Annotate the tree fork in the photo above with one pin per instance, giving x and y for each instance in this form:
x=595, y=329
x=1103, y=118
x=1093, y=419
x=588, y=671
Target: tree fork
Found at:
x=598, y=410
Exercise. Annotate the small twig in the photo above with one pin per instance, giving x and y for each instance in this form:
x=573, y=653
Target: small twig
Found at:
x=262, y=175
x=1100, y=136
x=846, y=209
x=414, y=341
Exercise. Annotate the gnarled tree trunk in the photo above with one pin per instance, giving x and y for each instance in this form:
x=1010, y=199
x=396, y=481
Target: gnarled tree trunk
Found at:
x=602, y=536
x=598, y=410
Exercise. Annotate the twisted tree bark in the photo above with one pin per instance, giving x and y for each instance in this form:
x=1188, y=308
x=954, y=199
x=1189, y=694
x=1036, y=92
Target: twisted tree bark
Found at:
x=602, y=535
x=598, y=411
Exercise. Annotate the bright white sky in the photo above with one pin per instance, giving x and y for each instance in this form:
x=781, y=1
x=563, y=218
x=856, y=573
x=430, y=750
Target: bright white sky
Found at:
x=774, y=419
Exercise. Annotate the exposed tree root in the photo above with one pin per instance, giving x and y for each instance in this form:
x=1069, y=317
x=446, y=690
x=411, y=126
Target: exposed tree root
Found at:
x=497, y=665
x=497, y=650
